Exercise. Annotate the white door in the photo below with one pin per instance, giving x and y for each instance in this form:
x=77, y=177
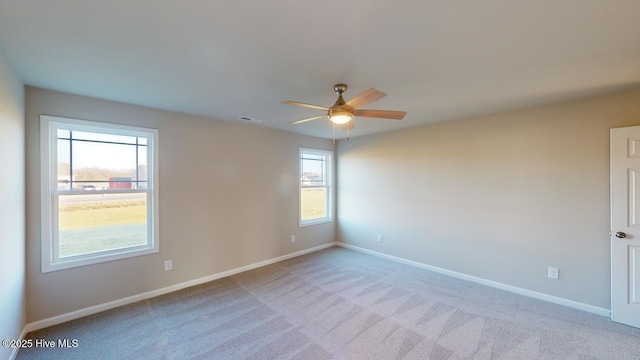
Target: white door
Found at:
x=625, y=225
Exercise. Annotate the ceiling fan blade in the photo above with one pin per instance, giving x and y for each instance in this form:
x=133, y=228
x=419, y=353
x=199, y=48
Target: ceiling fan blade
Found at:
x=365, y=98
x=383, y=114
x=307, y=119
x=305, y=105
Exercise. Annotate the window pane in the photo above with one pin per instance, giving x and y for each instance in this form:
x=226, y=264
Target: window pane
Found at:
x=313, y=172
x=88, y=186
x=313, y=203
x=313, y=156
x=64, y=165
x=92, y=224
x=100, y=222
x=142, y=171
x=81, y=135
x=62, y=133
x=108, y=166
x=315, y=197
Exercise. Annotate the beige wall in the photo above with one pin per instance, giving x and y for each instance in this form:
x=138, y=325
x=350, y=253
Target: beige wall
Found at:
x=228, y=198
x=499, y=197
x=12, y=206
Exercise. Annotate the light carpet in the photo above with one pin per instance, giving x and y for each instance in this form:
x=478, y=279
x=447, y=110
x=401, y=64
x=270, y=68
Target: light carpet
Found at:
x=340, y=304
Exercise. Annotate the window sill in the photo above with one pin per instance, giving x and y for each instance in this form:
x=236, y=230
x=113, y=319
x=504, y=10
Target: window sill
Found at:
x=315, y=222
x=96, y=259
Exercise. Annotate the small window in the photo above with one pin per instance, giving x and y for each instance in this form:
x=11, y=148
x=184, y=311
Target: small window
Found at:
x=315, y=186
x=99, y=192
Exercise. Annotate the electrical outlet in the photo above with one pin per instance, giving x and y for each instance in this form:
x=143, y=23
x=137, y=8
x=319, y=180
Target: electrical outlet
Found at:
x=379, y=238
x=553, y=273
x=293, y=238
x=168, y=265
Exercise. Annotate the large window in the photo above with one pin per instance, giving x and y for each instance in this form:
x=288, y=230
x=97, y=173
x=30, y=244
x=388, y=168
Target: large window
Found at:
x=99, y=192
x=315, y=186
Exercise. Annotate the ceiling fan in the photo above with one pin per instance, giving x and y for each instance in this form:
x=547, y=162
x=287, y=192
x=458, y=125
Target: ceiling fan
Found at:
x=342, y=112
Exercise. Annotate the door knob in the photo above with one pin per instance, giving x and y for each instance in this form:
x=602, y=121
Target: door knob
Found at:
x=621, y=235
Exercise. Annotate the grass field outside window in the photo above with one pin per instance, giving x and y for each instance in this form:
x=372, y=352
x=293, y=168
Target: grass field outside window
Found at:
x=313, y=203
x=89, y=226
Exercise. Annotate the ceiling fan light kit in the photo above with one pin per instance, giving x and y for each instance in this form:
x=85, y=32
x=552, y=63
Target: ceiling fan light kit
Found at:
x=340, y=117
x=342, y=112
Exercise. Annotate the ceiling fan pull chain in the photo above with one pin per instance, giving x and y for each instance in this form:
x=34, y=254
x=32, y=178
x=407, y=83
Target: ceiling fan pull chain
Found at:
x=334, y=134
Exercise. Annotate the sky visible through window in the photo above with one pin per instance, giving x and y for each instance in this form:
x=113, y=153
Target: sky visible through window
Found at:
x=313, y=165
x=95, y=154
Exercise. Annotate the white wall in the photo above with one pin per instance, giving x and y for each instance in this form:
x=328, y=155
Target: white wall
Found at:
x=228, y=198
x=12, y=206
x=499, y=197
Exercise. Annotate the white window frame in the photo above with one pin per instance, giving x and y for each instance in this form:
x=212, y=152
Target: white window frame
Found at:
x=50, y=259
x=328, y=154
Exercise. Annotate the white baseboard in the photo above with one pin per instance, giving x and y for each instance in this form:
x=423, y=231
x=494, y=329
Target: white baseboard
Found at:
x=14, y=352
x=520, y=291
x=41, y=324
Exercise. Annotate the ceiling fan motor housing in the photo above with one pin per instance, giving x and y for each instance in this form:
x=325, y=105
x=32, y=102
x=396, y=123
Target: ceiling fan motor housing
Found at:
x=340, y=113
x=340, y=88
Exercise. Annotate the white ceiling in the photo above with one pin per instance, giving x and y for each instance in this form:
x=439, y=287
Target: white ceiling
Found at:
x=436, y=59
